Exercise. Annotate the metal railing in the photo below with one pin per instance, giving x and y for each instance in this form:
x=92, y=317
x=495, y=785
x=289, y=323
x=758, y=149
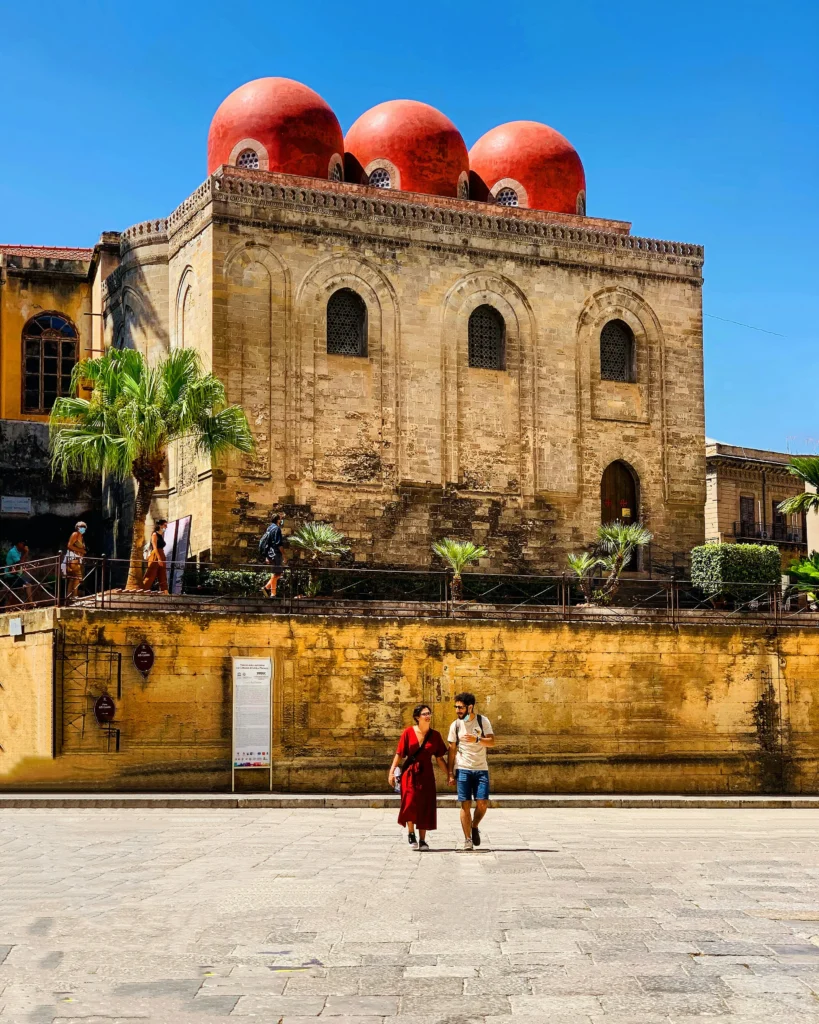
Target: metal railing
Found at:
x=776, y=533
x=396, y=593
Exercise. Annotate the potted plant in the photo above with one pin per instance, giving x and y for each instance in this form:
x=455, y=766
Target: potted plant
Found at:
x=458, y=554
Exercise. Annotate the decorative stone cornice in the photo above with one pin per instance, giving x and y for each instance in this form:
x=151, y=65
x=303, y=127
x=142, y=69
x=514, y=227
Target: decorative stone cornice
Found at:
x=459, y=217
x=149, y=232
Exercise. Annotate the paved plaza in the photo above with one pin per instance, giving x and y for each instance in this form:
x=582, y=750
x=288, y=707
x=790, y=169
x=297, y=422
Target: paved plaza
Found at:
x=564, y=916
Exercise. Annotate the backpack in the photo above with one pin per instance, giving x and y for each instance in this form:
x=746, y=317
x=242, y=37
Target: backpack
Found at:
x=458, y=730
x=264, y=543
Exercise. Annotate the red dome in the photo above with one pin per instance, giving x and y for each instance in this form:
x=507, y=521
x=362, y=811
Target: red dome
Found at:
x=298, y=130
x=536, y=157
x=412, y=138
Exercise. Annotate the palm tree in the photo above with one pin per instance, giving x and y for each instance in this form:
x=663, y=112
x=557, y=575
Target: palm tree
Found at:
x=317, y=540
x=583, y=566
x=458, y=554
x=134, y=413
x=806, y=467
x=617, y=543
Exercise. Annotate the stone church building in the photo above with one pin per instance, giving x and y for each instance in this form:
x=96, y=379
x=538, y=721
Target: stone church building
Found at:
x=428, y=341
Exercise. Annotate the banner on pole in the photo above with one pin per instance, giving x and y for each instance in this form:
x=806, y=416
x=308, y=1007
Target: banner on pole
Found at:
x=252, y=693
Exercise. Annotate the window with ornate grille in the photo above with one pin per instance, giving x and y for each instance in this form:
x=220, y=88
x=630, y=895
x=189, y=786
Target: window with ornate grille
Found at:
x=346, y=324
x=49, y=355
x=487, y=337
x=507, y=197
x=463, y=189
x=617, y=352
x=336, y=173
x=379, y=178
x=249, y=159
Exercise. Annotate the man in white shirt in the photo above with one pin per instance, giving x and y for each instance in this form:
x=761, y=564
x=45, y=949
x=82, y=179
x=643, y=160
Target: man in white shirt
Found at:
x=469, y=736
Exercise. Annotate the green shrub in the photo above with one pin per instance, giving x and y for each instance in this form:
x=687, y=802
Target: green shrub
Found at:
x=236, y=582
x=726, y=570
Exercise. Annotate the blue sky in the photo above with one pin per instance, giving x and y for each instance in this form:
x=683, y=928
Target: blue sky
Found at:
x=697, y=122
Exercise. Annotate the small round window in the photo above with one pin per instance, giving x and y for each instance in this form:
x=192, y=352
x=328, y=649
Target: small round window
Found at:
x=507, y=197
x=249, y=159
x=380, y=178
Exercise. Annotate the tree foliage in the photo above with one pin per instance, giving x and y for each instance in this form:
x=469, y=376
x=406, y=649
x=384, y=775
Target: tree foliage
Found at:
x=134, y=413
x=806, y=468
x=735, y=570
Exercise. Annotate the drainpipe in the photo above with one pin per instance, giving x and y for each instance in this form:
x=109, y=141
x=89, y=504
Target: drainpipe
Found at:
x=764, y=505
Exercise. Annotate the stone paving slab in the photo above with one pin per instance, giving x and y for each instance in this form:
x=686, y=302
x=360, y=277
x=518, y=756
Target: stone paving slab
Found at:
x=568, y=915
x=254, y=801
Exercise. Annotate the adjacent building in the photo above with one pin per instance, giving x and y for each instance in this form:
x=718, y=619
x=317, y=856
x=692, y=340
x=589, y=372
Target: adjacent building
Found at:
x=744, y=487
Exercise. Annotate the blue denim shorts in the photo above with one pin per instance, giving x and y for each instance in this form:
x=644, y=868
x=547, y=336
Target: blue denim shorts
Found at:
x=473, y=784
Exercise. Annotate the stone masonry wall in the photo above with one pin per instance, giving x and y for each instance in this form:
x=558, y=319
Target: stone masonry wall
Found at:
x=410, y=444
x=576, y=707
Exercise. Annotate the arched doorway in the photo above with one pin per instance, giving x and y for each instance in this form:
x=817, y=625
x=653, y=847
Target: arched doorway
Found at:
x=618, y=494
x=619, y=498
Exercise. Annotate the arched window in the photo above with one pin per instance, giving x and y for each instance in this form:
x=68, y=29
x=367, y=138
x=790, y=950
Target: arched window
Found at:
x=49, y=353
x=336, y=174
x=617, y=352
x=249, y=159
x=379, y=178
x=507, y=197
x=346, y=324
x=487, y=338
x=463, y=189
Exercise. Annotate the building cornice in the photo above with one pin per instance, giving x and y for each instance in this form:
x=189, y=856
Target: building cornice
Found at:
x=237, y=190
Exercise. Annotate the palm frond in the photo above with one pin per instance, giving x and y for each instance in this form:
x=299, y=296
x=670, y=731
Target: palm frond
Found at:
x=319, y=539
x=224, y=431
x=583, y=564
x=458, y=553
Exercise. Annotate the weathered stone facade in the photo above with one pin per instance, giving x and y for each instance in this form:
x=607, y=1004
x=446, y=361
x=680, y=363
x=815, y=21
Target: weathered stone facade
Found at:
x=577, y=707
x=410, y=443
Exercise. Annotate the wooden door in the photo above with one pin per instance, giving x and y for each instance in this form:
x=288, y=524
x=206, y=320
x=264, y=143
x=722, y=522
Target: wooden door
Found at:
x=618, y=495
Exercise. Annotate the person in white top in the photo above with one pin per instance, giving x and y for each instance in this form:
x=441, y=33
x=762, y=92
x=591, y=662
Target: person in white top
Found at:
x=469, y=736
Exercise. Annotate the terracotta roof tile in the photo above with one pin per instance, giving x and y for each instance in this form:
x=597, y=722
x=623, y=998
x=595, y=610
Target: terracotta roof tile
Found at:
x=57, y=252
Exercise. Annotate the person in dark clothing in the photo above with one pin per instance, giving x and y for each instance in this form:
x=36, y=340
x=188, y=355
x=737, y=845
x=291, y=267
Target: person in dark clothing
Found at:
x=270, y=548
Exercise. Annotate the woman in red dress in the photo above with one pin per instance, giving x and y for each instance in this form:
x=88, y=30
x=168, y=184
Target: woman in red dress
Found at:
x=419, y=808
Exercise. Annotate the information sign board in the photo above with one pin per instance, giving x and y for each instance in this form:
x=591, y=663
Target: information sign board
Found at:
x=104, y=709
x=252, y=708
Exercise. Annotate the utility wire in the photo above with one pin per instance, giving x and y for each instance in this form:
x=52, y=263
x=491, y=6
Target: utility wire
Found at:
x=749, y=326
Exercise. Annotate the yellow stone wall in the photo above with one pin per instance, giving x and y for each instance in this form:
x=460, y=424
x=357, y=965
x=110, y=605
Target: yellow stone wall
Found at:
x=38, y=285
x=26, y=703
x=576, y=707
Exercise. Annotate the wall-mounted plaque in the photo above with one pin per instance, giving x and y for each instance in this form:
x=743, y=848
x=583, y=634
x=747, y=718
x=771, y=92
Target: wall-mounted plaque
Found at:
x=143, y=657
x=104, y=709
x=12, y=505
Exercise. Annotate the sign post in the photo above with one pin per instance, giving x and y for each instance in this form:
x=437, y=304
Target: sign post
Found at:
x=252, y=716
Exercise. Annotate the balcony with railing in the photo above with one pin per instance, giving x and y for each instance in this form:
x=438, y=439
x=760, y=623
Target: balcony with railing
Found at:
x=769, y=533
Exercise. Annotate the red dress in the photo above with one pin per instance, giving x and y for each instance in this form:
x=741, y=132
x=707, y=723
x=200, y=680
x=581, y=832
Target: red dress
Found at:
x=418, y=793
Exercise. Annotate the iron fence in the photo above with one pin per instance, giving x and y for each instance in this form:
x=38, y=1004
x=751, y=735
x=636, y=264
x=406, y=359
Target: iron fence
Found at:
x=305, y=589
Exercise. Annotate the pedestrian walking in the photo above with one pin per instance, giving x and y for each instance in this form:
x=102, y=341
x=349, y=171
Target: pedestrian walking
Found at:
x=15, y=576
x=73, y=560
x=469, y=736
x=270, y=550
x=157, y=563
x=419, y=744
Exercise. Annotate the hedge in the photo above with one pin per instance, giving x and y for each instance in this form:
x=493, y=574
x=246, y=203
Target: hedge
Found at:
x=728, y=569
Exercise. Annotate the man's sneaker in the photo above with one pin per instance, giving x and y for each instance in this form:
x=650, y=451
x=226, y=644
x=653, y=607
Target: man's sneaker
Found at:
x=476, y=837
x=467, y=844
x=412, y=840
x=424, y=846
